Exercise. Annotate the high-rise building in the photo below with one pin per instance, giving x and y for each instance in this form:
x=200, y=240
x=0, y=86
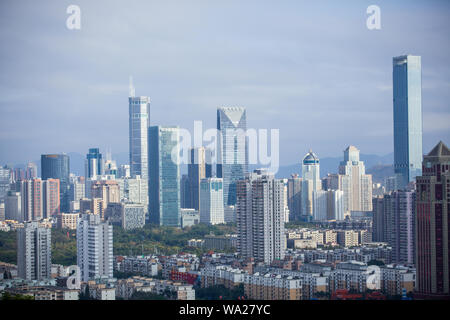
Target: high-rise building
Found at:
x=164, y=176
x=94, y=163
x=379, y=219
x=433, y=224
x=199, y=167
x=34, y=251
x=77, y=188
x=185, y=192
x=356, y=184
x=294, y=191
x=400, y=225
x=211, y=198
x=124, y=171
x=13, y=206
x=50, y=198
x=2, y=211
x=57, y=166
x=31, y=171
x=94, y=247
x=107, y=190
x=310, y=182
x=328, y=205
x=232, y=153
x=407, y=86
x=260, y=217
x=32, y=199
x=5, y=181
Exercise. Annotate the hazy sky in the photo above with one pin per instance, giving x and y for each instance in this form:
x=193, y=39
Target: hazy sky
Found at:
x=309, y=68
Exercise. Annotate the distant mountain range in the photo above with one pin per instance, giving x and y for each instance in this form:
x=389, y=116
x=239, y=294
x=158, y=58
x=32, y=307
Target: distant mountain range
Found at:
x=379, y=166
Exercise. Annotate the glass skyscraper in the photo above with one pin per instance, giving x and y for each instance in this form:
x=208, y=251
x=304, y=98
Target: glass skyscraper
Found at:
x=57, y=166
x=164, y=176
x=139, y=122
x=407, y=86
x=94, y=163
x=232, y=155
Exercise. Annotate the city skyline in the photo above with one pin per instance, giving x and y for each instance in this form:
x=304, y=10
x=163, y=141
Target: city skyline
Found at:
x=296, y=77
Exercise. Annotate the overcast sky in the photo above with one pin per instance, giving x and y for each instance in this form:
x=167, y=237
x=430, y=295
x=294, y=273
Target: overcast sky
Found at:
x=309, y=68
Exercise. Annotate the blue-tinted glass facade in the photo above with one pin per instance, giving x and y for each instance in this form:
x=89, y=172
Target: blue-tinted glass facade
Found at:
x=57, y=166
x=139, y=121
x=407, y=86
x=164, y=176
x=94, y=168
x=232, y=157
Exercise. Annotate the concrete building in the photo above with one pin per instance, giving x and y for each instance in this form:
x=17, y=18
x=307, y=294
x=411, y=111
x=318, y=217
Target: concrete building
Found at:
x=94, y=247
x=211, y=201
x=357, y=185
x=189, y=217
x=260, y=217
x=34, y=251
x=294, y=195
x=328, y=205
x=432, y=224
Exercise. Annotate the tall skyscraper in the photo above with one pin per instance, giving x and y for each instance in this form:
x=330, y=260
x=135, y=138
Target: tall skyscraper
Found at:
x=32, y=200
x=139, y=122
x=356, y=184
x=232, y=155
x=407, y=86
x=5, y=181
x=94, y=163
x=260, y=217
x=50, y=198
x=94, y=247
x=211, y=197
x=294, y=197
x=199, y=167
x=310, y=182
x=34, y=251
x=433, y=224
x=57, y=166
x=164, y=176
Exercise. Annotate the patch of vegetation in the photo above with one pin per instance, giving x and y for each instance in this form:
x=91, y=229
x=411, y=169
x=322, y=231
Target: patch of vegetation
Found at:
x=219, y=292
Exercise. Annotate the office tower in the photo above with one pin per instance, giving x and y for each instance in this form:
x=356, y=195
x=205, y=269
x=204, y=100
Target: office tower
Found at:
x=2, y=211
x=13, y=206
x=31, y=171
x=400, y=225
x=328, y=205
x=94, y=247
x=126, y=215
x=294, y=191
x=94, y=163
x=199, y=167
x=110, y=168
x=32, y=200
x=133, y=216
x=124, y=171
x=50, y=198
x=232, y=150
x=185, y=193
x=211, y=198
x=310, y=183
x=164, y=176
x=34, y=251
x=259, y=217
x=135, y=190
x=139, y=122
x=407, y=87
x=57, y=166
x=390, y=184
x=356, y=184
x=432, y=224
x=5, y=181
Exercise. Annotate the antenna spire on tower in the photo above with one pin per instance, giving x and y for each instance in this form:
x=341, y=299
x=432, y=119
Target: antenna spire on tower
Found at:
x=132, y=91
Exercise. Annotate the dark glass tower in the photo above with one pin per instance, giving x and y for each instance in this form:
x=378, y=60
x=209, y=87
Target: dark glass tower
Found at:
x=94, y=163
x=407, y=86
x=57, y=166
